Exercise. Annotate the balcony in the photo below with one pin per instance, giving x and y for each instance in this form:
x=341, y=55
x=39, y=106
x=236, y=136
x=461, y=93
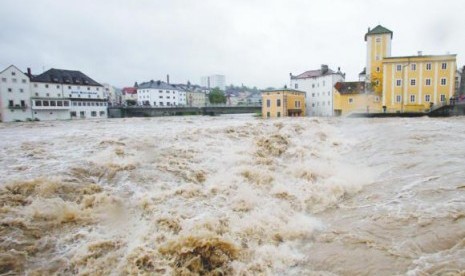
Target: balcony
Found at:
x=17, y=106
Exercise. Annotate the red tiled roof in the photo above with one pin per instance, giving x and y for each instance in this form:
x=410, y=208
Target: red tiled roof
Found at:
x=129, y=90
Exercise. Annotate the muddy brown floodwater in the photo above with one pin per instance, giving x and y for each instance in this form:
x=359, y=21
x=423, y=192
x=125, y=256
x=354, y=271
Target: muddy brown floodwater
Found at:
x=233, y=195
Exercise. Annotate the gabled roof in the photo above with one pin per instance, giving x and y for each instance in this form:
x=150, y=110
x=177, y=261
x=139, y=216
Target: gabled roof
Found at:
x=350, y=87
x=129, y=90
x=313, y=74
x=13, y=67
x=65, y=77
x=157, y=85
x=378, y=30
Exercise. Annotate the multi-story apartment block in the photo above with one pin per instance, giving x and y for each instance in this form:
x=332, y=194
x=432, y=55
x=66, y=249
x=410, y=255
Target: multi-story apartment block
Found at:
x=14, y=95
x=214, y=81
x=66, y=94
x=318, y=84
x=159, y=94
x=282, y=103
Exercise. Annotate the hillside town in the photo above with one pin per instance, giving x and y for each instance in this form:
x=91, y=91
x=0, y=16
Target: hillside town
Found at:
x=387, y=84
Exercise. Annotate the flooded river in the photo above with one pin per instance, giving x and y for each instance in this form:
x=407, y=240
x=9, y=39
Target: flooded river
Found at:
x=233, y=195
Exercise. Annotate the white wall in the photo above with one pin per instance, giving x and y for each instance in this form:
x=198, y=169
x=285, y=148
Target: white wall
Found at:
x=319, y=93
x=158, y=97
x=14, y=86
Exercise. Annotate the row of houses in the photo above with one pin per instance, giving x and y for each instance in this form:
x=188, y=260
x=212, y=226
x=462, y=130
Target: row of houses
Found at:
x=58, y=94
x=415, y=83
x=53, y=95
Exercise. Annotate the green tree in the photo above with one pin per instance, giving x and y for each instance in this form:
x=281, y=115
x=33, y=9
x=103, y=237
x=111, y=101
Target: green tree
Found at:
x=217, y=96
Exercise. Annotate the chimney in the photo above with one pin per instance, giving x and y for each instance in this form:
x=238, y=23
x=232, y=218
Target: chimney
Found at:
x=324, y=69
x=29, y=74
x=168, y=79
x=368, y=29
x=420, y=53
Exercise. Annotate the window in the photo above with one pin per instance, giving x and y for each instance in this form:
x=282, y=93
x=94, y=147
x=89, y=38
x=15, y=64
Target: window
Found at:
x=73, y=114
x=10, y=90
x=377, y=57
x=378, y=39
x=427, y=98
x=13, y=73
x=377, y=82
x=377, y=69
x=46, y=86
x=23, y=103
x=3, y=79
x=444, y=65
x=93, y=113
x=313, y=104
x=268, y=103
x=79, y=103
x=66, y=103
x=398, y=98
x=21, y=90
x=58, y=86
x=351, y=100
x=278, y=102
x=46, y=103
x=37, y=94
x=443, y=81
x=161, y=103
x=313, y=94
x=413, y=82
x=53, y=103
x=296, y=86
x=412, y=98
x=35, y=84
x=59, y=103
x=279, y=114
x=413, y=66
x=161, y=97
x=428, y=82
x=88, y=88
x=48, y=95
x=376, y=99
x=11, y=103
x=69, y=87
x=82, y=114
x=102, y=113
x=329, y=93
x=443, y=98
x=38, y=103
x=313, y=85
x=428, y=66
x=268, y=114
x=399, y=67
x=23, y=81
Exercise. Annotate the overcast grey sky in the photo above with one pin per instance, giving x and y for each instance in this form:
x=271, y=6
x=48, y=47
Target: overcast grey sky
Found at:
x=254, y=42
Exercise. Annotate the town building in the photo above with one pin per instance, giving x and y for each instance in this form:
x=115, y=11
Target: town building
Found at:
x=318, y=84
x=159, y=94
x=418, y=83
x=130, y=95
x=352, y=97
x=196, y=98
x=59, y=94
x=14, y=95
x=214, y=81
x=113, y=94
x=282, y=103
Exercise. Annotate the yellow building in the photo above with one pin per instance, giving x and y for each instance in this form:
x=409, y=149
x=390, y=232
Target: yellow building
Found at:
x=282, y=103
x=378, y=47
x=352, y=97
x=417, y=83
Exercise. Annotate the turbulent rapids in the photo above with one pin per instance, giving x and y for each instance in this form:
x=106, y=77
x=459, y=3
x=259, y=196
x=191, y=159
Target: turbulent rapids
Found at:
x=233, y=195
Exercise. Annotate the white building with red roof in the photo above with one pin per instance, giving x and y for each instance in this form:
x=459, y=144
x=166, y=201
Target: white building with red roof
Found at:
x=318, y=85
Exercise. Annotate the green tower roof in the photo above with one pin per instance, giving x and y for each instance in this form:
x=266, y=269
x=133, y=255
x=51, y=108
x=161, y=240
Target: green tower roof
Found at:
x=378, y=30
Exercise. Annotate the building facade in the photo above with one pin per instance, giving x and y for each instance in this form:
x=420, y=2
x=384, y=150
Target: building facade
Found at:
x=282, y=103
x=318, y=84
x=214, y=81
x=14, y=95
x=418, y=83
x=159, y=94
x=352, y=97
x=59, y=94
x=196, y=98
